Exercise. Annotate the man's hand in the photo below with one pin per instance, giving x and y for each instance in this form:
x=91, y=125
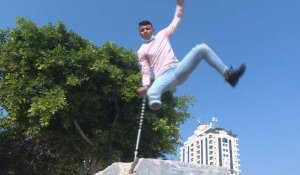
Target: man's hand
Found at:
x=180, y=2
x=142, y=90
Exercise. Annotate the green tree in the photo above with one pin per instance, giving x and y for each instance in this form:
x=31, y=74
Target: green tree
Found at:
x=75, y=102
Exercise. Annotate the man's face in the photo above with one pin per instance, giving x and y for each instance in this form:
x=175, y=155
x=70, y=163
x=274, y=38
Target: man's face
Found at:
x=146, y=31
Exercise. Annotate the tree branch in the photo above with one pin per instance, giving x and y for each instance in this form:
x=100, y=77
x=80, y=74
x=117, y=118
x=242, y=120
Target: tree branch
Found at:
x=85, y=138
x=76, y=147
x=117, y=112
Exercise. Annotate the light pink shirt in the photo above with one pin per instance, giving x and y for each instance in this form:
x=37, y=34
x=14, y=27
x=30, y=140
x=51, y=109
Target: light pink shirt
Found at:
x=158, y=53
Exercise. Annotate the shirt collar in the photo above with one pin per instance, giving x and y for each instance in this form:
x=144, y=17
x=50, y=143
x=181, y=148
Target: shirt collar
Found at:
x=149, y=40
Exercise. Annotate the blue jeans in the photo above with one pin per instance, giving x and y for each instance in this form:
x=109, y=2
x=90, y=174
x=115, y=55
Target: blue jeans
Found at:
x=177, y=74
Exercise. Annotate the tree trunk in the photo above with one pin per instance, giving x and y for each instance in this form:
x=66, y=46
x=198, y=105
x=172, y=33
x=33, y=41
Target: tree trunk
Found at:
x=95, y=165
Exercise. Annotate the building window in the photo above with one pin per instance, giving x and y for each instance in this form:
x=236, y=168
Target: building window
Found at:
x=224, y=140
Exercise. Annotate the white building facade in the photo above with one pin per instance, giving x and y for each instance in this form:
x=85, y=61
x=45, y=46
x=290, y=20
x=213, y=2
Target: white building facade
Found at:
x=212, y=146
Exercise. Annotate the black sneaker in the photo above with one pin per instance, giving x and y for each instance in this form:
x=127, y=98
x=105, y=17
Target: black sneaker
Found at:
x=234, y=75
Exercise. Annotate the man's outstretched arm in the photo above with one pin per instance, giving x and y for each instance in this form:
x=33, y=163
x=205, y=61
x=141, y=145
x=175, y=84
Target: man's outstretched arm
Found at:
x=180, y=2
x=176, y=19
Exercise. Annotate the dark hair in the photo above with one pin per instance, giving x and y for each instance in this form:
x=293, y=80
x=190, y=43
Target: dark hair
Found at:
x=144, y=23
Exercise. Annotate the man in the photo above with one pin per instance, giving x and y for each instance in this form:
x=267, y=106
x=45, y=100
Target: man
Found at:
x=156, y=53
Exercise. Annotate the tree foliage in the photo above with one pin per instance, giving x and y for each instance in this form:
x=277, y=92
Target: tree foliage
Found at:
x=74, y=103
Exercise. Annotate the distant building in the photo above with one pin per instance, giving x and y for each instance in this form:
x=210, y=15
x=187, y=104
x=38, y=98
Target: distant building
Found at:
x=212, y=146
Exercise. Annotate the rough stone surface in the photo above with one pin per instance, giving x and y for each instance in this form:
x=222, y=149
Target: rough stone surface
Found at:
x=162, y=167
x=117, y=168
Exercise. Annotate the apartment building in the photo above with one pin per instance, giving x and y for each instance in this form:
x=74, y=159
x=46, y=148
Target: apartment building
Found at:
x=211, y=145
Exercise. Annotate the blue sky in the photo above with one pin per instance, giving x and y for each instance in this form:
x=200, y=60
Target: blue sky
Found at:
x=264, y=109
